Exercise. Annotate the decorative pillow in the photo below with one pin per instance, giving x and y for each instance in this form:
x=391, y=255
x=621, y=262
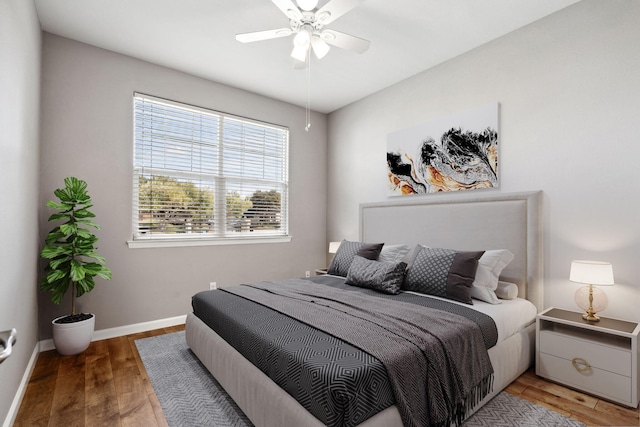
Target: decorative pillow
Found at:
x=347, y=251
x=411, y=255
x=443, y=272
x=507, y=290
x=382, y=276
x=490, y=265
x=370, y=250
x=393, y=253
x=484, y=294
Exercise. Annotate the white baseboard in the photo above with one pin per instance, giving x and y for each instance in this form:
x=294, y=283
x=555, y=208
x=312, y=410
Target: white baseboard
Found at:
x=104, y=334
x=17, y=399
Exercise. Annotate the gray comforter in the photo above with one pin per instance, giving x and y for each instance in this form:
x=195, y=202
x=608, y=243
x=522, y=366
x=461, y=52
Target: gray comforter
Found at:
x=436, y=360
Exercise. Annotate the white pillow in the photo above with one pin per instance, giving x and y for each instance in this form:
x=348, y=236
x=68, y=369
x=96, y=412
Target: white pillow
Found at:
x=490, y=265
x=485, y=294
x=507, y=290
x=393, y=253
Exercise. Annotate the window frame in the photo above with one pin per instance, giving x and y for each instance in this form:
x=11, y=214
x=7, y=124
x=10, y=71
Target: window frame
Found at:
x=221, y=234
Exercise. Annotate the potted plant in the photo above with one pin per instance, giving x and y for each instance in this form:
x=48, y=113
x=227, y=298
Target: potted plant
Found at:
x=73, y=263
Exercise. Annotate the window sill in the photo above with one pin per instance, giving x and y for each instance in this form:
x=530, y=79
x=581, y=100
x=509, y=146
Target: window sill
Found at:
x=176, y=243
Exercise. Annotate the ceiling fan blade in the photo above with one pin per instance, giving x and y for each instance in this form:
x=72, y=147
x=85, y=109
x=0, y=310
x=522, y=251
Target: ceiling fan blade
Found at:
x=345, y=41
x=263, y=35
x=288, y=8
x=334, y=10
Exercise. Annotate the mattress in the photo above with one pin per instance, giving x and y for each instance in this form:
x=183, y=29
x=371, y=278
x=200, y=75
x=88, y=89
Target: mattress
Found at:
x=510, y=317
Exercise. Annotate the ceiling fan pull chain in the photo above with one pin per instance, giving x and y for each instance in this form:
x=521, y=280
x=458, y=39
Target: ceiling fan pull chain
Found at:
x=308, y=110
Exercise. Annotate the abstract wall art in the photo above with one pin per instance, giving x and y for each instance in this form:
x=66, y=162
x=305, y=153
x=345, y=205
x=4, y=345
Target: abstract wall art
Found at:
x=457, y=152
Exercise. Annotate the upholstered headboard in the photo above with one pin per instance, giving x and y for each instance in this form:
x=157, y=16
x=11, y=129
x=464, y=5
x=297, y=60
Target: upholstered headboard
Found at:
x=498, y=221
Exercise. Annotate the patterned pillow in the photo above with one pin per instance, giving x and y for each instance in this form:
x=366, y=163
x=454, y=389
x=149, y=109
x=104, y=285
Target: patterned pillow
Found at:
x=443, y=272
x=382, y=276
x=411, y=255
x=347, y=251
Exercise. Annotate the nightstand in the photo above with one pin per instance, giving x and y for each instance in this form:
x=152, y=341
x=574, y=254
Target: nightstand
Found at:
x=597, y=358
x=321, y=271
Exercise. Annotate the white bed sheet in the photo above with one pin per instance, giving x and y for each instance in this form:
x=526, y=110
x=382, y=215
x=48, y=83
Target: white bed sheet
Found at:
x=511, y=317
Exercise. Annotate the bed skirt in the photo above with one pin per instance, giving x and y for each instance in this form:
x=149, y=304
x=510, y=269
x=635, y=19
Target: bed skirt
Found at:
x=267, y=405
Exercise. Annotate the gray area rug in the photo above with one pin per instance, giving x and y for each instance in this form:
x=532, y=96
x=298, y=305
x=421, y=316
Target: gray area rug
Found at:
x=191, y=397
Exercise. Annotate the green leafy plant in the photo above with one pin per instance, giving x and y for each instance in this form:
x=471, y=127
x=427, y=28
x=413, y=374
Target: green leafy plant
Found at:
x=70, y=246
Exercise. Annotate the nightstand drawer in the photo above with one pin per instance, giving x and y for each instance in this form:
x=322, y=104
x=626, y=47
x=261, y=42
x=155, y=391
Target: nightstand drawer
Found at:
x=599, y=356
x=594, y=380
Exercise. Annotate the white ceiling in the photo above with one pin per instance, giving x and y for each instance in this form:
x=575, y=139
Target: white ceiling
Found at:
x=198, y=37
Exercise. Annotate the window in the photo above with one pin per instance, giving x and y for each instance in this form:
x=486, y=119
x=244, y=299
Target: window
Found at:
x=204, y=176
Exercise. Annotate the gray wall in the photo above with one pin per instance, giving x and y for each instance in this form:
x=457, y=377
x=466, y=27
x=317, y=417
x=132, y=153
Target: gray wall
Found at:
x=87, y=132
x=568, y=86
x=19, y=118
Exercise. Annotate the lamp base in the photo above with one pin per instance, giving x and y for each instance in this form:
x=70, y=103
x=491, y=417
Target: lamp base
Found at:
x=592, y=300
x=590, y=317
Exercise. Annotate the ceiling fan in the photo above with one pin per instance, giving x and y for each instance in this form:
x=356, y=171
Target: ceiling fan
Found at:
x=306, y=21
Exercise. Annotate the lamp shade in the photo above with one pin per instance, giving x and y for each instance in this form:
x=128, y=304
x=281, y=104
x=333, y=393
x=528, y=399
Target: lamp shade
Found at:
x=302, y=39
x=591, y=273
x=320, y=47
x=333, y=247
x=299, y=53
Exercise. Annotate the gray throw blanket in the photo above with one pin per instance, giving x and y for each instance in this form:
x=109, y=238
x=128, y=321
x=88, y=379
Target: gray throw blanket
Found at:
x=437, y=363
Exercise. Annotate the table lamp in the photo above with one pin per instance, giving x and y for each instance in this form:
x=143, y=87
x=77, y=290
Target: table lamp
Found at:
x=333, y=247
x=590, y=298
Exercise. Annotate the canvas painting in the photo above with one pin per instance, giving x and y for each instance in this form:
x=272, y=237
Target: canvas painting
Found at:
x=457, y=152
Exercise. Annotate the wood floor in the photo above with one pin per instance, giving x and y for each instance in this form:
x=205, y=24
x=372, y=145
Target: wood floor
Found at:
x=573, y=404
x=108, y=386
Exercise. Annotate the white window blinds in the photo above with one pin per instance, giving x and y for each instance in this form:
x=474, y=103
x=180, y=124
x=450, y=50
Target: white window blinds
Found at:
x=201, y=174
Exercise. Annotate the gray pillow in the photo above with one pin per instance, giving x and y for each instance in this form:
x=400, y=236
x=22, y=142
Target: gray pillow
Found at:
x=443, y=272
x=382, y=276
x=347, y=251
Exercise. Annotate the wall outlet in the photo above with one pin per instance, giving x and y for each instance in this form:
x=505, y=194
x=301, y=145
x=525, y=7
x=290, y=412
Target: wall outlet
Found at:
x=307, y=273
x=213, y=285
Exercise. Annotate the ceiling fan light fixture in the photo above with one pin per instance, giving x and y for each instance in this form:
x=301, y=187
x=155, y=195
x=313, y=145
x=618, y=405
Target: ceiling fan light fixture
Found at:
x=320, y=47
x=299, y=53
x=307, y=5
x=302, y=39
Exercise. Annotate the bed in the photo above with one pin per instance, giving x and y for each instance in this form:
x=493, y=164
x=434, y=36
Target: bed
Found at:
x=506, y=221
